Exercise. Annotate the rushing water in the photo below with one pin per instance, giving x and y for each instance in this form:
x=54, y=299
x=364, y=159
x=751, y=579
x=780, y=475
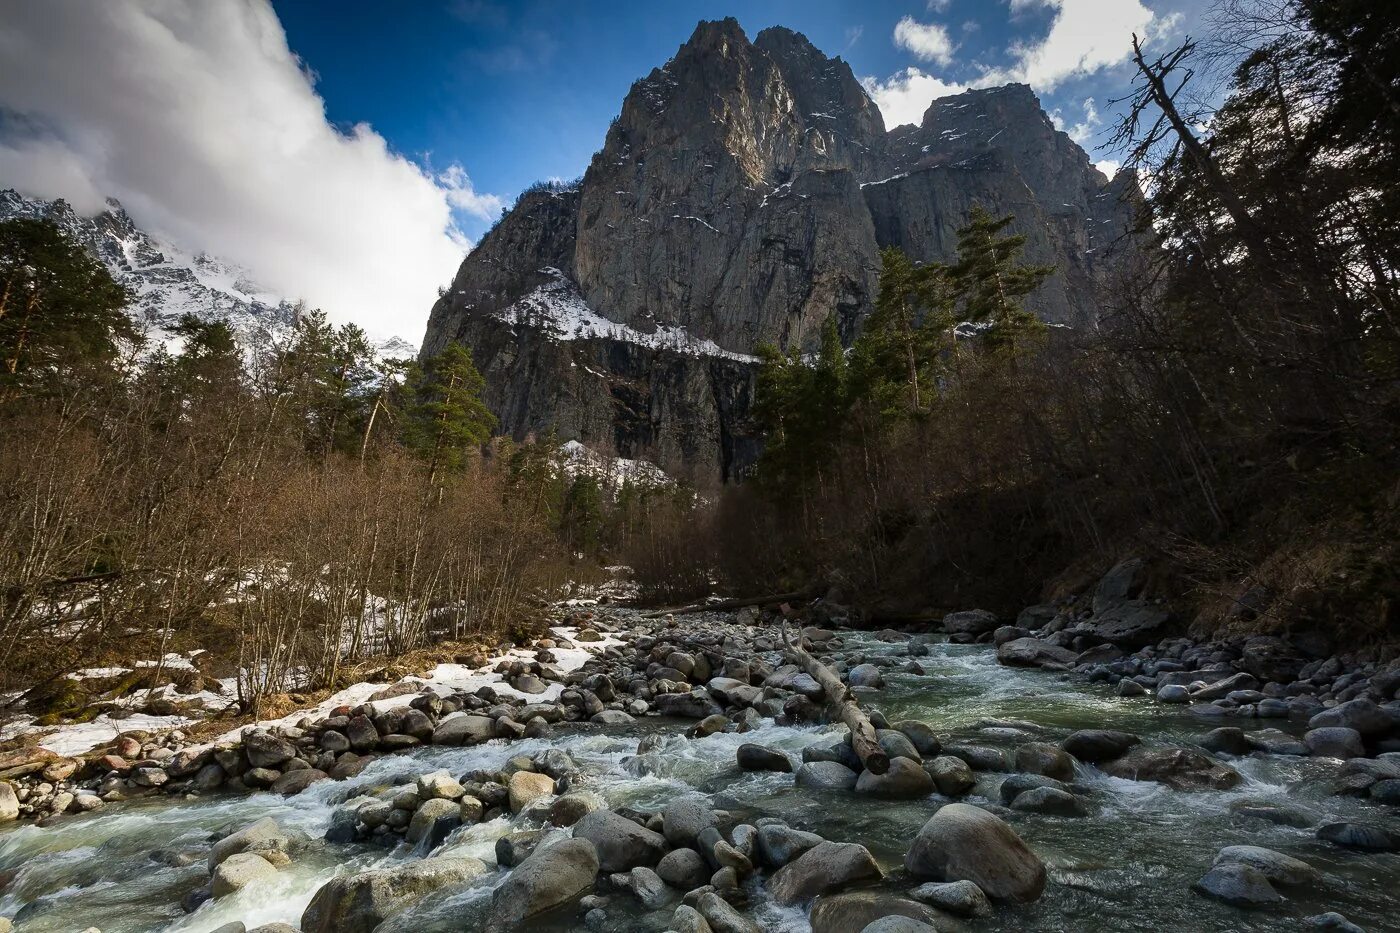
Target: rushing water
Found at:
x=1128, y=866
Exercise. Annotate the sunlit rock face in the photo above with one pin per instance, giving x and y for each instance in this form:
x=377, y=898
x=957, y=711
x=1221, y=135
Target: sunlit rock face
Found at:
x=742, y=196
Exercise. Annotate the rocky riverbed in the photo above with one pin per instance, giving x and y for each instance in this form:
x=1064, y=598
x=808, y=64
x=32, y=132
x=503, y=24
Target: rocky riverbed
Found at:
x=682, y=779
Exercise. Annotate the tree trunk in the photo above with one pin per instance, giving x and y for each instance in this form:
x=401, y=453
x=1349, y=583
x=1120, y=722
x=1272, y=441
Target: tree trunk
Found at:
x=863, y=740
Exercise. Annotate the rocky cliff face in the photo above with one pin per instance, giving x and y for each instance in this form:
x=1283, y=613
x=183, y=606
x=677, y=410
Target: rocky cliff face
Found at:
x=743, y=195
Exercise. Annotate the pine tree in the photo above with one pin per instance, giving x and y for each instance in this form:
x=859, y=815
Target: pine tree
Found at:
x=62, y=316
x=991, y=281
x=447, y=418
x=581, y=519
x=898, y=353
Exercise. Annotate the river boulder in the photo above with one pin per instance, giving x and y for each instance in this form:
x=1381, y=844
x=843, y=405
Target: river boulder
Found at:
x=550, y=877
x=825, y=867
x=1096, y=745
x=1239, y=885
x=620, y=844
x=964, y=843
x=1178, y=768
x=855, y=910
x=1033, y=652
x=905, y=780
x=359, y=903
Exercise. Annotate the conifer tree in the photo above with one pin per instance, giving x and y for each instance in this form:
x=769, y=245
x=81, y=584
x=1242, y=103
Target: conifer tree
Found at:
x=896, y=357
x=447, y=418
x=991, y=281
x=62, y=314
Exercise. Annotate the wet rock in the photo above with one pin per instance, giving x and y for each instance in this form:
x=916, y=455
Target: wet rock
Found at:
x=1050, y=801
x=1096, y=745
x=9, y=803
x=951, y=776
x=1043, y=758
x=1017, y=784
x=611, y=717
x=358, y=903
x=980, y=758
x=1361, y=714
x=439, y=784
x=1178, y=768
x=897, y=924
x=264, y=838
x=649, y=888
x=1239, y=885
x=464, y=729
x=1275, y=866
x=515, y=848
x=825, y=867
x=1173, y=693
x=526, y=787
x=1387, y=791
x=956, y=897
x=620, y=844
x=1365, y=836
x=1275, y=742
x=570, y=808
x=922, y=736
x=427, y=816
x=1223, y=688
x=694, y=705
x=362, y=734
x=965, y=843
x=1334, y=742
x=753, y=757
x=865, y=675
x=1130, y=688
x=855, y=910
x=1033, y=652
x=294, y=782
x=1271, y=812
x=684, y=820
x=896, y=744
x=265, y=750
x=723, y=918
x=1334, y=922
x=687, y=919
x=1226, y=740
x=684, y=869
x=974, y=622
x=905, y=780
x=238, y=871
x=778, y=844
x=826, y=775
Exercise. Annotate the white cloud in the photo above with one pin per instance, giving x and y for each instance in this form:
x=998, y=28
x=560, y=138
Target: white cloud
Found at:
x=904, y=96
x=1085, y=37
x=1108, y=166
x=928, y=41
x=1084, y=131
x=199, y=118
x=938, y=6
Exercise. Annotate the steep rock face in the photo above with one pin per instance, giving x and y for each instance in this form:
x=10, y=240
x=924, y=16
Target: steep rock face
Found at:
x=743, y=195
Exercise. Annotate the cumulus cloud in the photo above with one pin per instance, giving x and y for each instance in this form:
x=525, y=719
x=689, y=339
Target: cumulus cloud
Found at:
x=1084, y=131
x=199, y=118
x=927, y=41
x=1086, y=36
x=904, y=96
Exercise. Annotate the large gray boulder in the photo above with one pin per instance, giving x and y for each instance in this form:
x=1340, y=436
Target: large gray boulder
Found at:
x=1361, y=714
x=1133, y=625
x=360, y=902
x=464, y=729
x=550, y=877
x=825, y=867
x=905, y=780
x=974, y=622
x=264, y=837
x=778, y=844
x=1178, y=768
x=9, y=803
x=1277, y=867
x=1096, y=745
x=682, y=821
x=621, y=844
x=827, y=775
x=855, y=910
x=1033, y=652
x=1238, y=884
x=238, y=871
x=964, y=843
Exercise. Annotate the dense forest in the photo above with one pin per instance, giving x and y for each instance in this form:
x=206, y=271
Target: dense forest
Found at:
x=1233, y=418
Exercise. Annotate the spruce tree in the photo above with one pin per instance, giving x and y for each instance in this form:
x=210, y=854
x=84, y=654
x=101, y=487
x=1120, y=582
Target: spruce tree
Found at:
x=62, y=315
x=447, y=418
x=991, y=281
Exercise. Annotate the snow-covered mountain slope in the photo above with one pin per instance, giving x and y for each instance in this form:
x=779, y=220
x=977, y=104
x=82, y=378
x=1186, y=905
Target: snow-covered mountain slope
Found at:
x=169, y=281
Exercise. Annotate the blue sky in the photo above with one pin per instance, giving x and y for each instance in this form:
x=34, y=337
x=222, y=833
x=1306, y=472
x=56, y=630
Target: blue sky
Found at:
x=519, y=91
x=349, y=153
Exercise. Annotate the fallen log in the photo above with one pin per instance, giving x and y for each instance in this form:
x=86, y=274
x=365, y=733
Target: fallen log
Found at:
x=863, y=739
x=724, y=605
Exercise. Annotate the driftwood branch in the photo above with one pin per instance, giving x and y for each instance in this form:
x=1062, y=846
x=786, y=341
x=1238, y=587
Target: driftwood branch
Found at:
x=863, y=739
x=725, y=605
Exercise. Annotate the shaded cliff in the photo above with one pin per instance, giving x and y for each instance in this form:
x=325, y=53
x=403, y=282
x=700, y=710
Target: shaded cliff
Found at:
x=743, y=195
